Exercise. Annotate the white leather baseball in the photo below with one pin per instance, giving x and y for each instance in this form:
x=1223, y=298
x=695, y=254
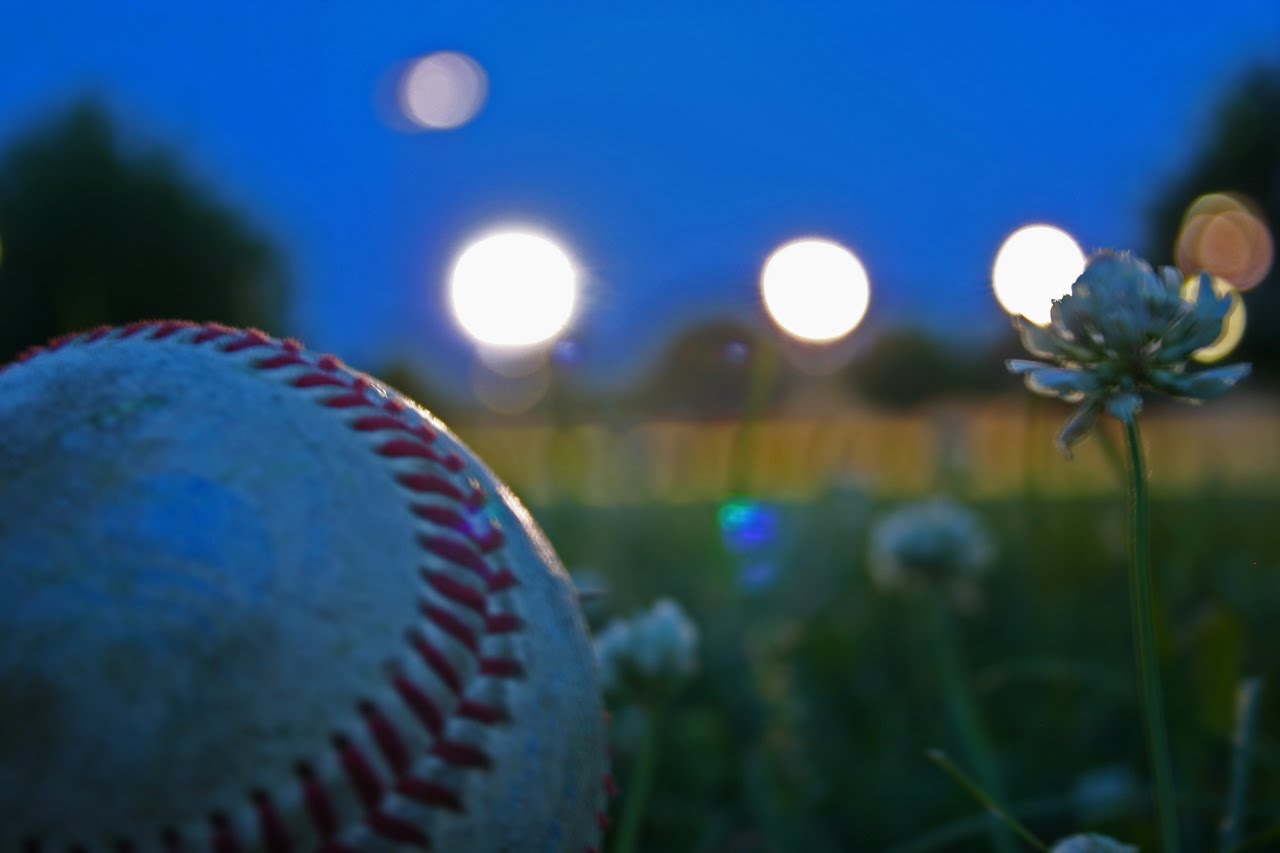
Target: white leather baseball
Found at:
x=251, y=600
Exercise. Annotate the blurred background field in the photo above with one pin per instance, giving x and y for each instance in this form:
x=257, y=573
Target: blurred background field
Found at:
x=819, y=693
x=322, y=172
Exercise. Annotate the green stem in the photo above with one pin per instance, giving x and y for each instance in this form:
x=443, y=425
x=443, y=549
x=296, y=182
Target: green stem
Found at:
x=964, y=712
x=641, y=783
x=939, y=758
x=1242, y=756
x=1142, y=600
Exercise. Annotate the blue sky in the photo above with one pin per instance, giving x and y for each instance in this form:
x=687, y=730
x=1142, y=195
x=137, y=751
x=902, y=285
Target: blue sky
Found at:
x=671, y=146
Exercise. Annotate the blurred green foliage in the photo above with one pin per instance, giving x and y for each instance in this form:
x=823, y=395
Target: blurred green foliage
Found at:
x=807, y=726
x=98, y=229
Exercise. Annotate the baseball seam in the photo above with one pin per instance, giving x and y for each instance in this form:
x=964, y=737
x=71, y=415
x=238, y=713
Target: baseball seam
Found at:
x=405, y=755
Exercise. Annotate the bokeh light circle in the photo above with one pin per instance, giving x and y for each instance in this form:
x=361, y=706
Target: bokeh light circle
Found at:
x=1222, y=234
x=815, y=290
x=513, y=289
x=443, y=90
x=1232, y=326
x=1035, y=265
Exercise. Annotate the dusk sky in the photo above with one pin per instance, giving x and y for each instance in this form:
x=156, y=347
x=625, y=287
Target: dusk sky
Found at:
x=669, y=146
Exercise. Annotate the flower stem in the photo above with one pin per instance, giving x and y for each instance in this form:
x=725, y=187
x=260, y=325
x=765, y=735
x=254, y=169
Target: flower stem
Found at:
x=1142, y=600
x=939, y=758
x=641, y=783
x=964, y=713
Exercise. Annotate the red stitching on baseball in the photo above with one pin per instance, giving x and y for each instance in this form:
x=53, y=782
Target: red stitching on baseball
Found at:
x=373, y=423
x=211, y=332
x=438, y=663
x=284, y=359
x=456, y=591
x=502, y=581
x=461, y=754
x=318, y=380
x=132, y=329
x=249, y=340
x=502, y=623
x=453, y=626
x=430, y=794
x=421, y=704
x=468, y=553
x=457, y=553
x=402, y=448
x=387, y=738
x=363, y=780
x=430, y=484
x=491, y=540
x=270, y=826
x=317, y=801
x=501, y=667
x=442, y=516
x=473, y=710
x=345, y=401
x=168, y=328
x=397, y=829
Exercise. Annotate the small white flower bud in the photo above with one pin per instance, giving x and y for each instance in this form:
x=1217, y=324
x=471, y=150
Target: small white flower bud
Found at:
x=649, y=654
x=934, y=543
x=1091, y=843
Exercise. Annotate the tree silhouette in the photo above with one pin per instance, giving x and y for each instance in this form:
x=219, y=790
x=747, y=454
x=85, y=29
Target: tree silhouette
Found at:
x=706, y=372
x=96, y=231
x=1242, y=155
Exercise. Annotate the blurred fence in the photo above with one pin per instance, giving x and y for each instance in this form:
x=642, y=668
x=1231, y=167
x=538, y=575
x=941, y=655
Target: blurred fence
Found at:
x=987, y=450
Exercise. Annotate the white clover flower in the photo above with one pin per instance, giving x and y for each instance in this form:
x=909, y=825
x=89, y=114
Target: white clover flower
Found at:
x=1091, y=843
x=650, y=654
x=933, y=543
x=1124, y=329
x=613, y=650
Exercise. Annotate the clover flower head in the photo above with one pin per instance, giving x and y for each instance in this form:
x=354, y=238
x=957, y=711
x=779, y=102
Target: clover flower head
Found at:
x=932, y=543
x=649, y=654
x=1122, y=330
x=1091, y=843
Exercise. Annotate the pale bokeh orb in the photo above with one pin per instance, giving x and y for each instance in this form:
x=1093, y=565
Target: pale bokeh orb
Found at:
x=815, y=290
x=443, y=91
x=1036, y=265
x=1232, y=326
x=513, y=289
x=509, y=395
x=1222, y=234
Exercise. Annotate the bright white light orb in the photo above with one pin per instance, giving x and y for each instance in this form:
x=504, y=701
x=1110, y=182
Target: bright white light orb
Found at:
x=1036, y=265
x=513, y=289
x=442, y=91
x=815, y=290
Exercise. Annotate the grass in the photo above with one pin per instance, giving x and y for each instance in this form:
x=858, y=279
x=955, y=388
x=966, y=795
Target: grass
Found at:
x=808, y=724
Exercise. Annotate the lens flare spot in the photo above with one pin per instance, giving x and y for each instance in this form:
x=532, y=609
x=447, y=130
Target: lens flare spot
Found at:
x=1223, y=234
x=1232, y=326
x=443, y=91
x=815, y=290
x=509, y=395
x=1036, y=265
x=747, y=525
x=513, y=289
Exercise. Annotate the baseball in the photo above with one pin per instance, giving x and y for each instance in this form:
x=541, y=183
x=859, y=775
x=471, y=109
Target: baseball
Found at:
x=252, y=600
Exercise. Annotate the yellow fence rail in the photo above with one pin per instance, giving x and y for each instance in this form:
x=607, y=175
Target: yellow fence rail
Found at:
x=987, y=450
